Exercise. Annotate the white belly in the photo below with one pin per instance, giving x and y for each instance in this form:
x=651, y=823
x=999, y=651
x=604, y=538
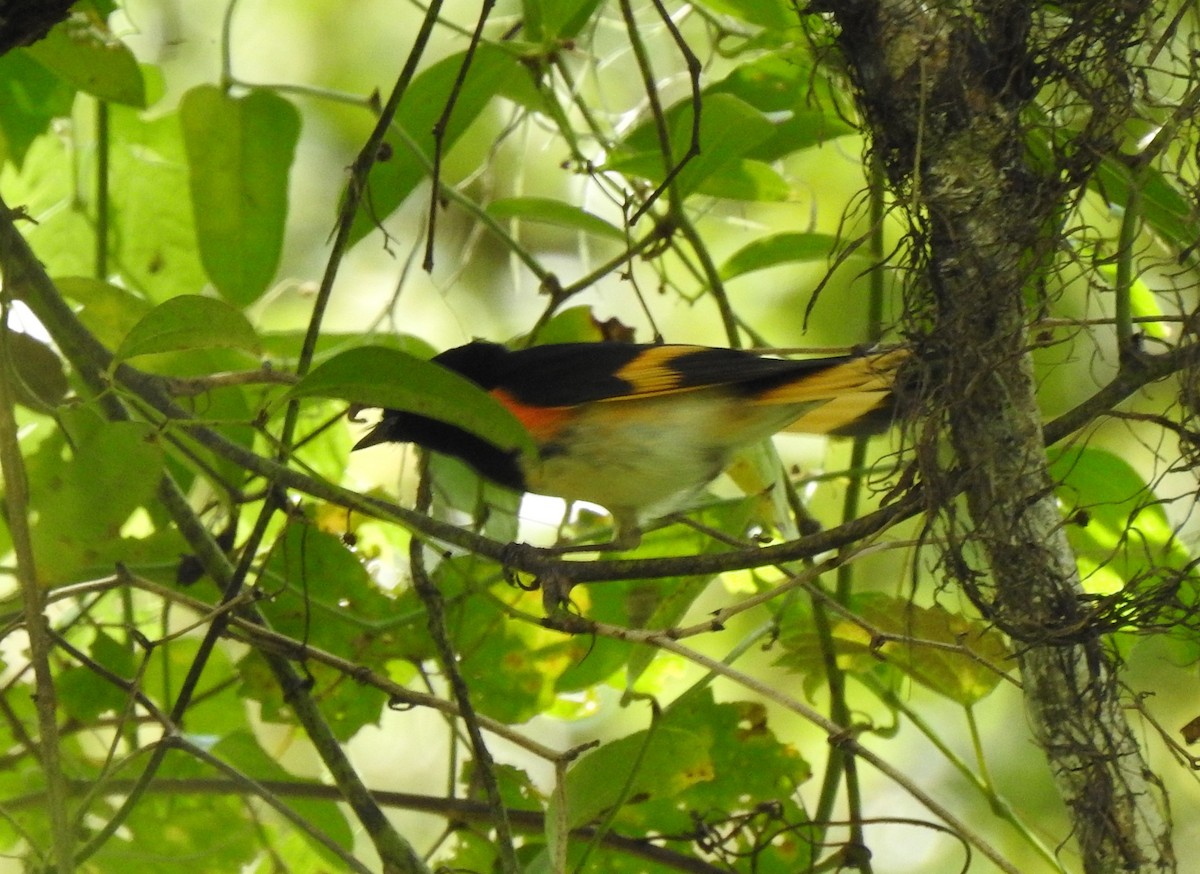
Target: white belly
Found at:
x=649, y=454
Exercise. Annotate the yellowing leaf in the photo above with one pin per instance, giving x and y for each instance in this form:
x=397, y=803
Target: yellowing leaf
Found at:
x=954, y=655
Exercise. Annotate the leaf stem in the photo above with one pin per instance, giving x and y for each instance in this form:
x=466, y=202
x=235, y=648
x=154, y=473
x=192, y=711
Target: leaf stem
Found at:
x=103, y=145
x=1130, y=223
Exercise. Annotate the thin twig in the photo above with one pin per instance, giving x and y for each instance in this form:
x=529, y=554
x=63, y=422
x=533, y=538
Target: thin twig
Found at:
x=435, y=607
x=840, y=735
x=92, y=359
x=531, y=822
x=439, y=129
x=37, y=626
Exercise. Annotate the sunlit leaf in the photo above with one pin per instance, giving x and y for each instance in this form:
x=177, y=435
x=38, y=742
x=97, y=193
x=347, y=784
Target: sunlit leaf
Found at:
x=776, y=249
x=729, y=128
x=547, y=21
x=573, y=325
x=107, y=310
x=30, y=97
x=182, y=828
x=954, y=655
x=769, y=14
x=84, y=694
x=242, y=750
x=156, y=246
x=373, y=376
x=88, y=57
x=553, y=212
x=797, y=107
x=395, y=176
x=189, y=322
x=747, y=756
x=1142, y=302
x=801, y=103
x=322, y=594
x=80, y=512
x=239, y=153
x=1119, y=532
x=285, y=346
x=1167, y=209
x=508, y=680
x=217, y=704
x=640, y=767
x=459, y=489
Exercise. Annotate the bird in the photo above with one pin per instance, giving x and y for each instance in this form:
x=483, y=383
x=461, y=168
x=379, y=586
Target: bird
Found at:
x=638, y=428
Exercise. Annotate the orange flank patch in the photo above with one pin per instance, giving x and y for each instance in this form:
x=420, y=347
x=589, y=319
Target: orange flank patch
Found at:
x=543, y=423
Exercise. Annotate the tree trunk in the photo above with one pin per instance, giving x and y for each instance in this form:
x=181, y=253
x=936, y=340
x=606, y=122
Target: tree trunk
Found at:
x=943, y=87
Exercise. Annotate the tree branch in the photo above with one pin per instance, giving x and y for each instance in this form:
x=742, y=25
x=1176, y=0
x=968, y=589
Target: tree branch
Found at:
x=943, y=92
x=37, y=626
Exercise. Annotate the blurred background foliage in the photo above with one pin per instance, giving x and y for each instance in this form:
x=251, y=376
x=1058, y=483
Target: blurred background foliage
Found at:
x=182, y=168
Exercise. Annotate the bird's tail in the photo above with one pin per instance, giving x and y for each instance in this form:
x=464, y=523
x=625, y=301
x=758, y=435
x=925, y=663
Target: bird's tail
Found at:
x=856, y=396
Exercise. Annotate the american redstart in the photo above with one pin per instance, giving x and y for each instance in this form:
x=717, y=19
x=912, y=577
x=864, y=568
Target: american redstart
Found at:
x=635, y=428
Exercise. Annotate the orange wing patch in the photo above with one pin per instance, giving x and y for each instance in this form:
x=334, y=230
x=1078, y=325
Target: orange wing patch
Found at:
x=651, y=373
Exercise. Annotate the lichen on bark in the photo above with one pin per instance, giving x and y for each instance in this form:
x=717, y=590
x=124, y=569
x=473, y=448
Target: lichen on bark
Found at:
x=947, y=91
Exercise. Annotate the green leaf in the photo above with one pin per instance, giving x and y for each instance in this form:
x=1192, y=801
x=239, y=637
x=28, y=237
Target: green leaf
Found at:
x=793, y=95
x=769, y=14
x=107, y=310
x=747, y=757
x=242, y=750
x=1120, y=532
x=322, y=594
x=646, y=765
x=239, y=152
x=492, y=72
x=554, y=212
x=188, y=832
x=156, y=248
x=521, y=688
x=576, y=324
x=36, y=371
x=729, y=128
x=460, y=489
x=87, y=56
x=740, y=179
x=548, y=21
x=285, y=346
x=782, y=87
x=30, y=97
x=80, y=510
x=373, y=376
x=216, y=705
x=84, y=696
x=1142, y=301
x=962, y=676
x=662, y=603
x=189, y=322
x=700, y=758
x=1169, y=211
x=779, y=249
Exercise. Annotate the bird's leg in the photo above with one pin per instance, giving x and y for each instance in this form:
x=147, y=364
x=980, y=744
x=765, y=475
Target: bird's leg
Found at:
x=628, y=534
